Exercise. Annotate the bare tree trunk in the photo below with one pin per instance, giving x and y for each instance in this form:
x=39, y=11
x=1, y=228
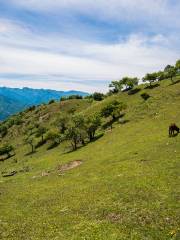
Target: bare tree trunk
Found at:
x=172, y=79
x=32, y=148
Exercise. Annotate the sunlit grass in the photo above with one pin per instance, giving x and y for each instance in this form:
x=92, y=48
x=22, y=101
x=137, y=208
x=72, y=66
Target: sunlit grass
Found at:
x=126, y=188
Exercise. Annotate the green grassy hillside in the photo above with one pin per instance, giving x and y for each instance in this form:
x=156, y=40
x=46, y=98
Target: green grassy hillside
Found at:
x=126, y=187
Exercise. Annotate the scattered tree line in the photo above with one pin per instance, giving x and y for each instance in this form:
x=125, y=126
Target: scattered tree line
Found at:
x=128, y=83
x=71, y=97
x=79, y=129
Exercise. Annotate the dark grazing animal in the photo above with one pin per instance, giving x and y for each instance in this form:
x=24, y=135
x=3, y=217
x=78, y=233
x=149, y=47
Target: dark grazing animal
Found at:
x=172, y=129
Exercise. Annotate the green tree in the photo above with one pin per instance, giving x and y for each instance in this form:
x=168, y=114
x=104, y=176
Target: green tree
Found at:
x=150, y=77
x=30, y=109
x=30, y=141
x=75, y=97
x=178, y=66
x=116, y=86
x=73, y=134
x=166, y=69
x=18, y=120
x=53, y=136
x=51, y=101
x=62, y=99
x=62, y=123
x=171, y=73
x=178, y=63
x=30, y=129
x=98, y=96
x=132, y=82
x=91, y=124
x=75, y=131
x=125, y=82
x=6, y=149
x=113, y=109
x=40, y=132
x=79, y=122
x=3, y=131
x=161, y=75
x=129, y=82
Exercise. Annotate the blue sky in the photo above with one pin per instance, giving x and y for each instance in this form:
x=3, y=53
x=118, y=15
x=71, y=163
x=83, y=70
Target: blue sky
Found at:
x=83, y=45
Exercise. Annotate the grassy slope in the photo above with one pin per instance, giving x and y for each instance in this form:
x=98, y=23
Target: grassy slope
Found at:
x=126, y=188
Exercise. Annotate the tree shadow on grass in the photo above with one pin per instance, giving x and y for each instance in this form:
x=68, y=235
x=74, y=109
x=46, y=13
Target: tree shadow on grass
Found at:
x=153, y=86
x=134, y=91
x=6, y=158
x=30, y=153
x=53, y=145
x=110, y=123
x=123, y=121
x=70, y=150
x=175, y=82
x=97, y=137
x=174, y=135
x=126, y=89
x=41, y=143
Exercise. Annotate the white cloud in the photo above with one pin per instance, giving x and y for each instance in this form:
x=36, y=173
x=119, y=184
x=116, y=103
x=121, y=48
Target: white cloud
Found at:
x=76, y=62
x=154, y=11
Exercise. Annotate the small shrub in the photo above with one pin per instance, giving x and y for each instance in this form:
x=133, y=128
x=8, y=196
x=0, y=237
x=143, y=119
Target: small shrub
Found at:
x=10, y=122
x=96, y=96
x=37, y=110
x=31, y=108
x=18, y=120
x=134, y=91
x=71, y=97
x=40, y=132
x=6, y=149
x=40, y=143
x=145, y=96
x=62, y=99
x=75, y=97
x=72, y=110
x=51, y=101
x=3, y=131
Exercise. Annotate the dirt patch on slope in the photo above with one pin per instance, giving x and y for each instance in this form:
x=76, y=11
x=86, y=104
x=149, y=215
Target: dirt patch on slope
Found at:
x=70, y=165
x=114, y=217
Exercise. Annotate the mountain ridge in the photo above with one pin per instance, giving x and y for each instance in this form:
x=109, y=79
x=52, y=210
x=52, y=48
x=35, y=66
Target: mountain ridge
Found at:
x=14, y=100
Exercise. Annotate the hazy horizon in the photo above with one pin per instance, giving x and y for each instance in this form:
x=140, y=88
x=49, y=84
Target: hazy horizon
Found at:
x=41, y=88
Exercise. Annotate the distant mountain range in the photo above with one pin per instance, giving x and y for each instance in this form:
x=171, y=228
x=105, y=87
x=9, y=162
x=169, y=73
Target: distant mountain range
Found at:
x=13, y=100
